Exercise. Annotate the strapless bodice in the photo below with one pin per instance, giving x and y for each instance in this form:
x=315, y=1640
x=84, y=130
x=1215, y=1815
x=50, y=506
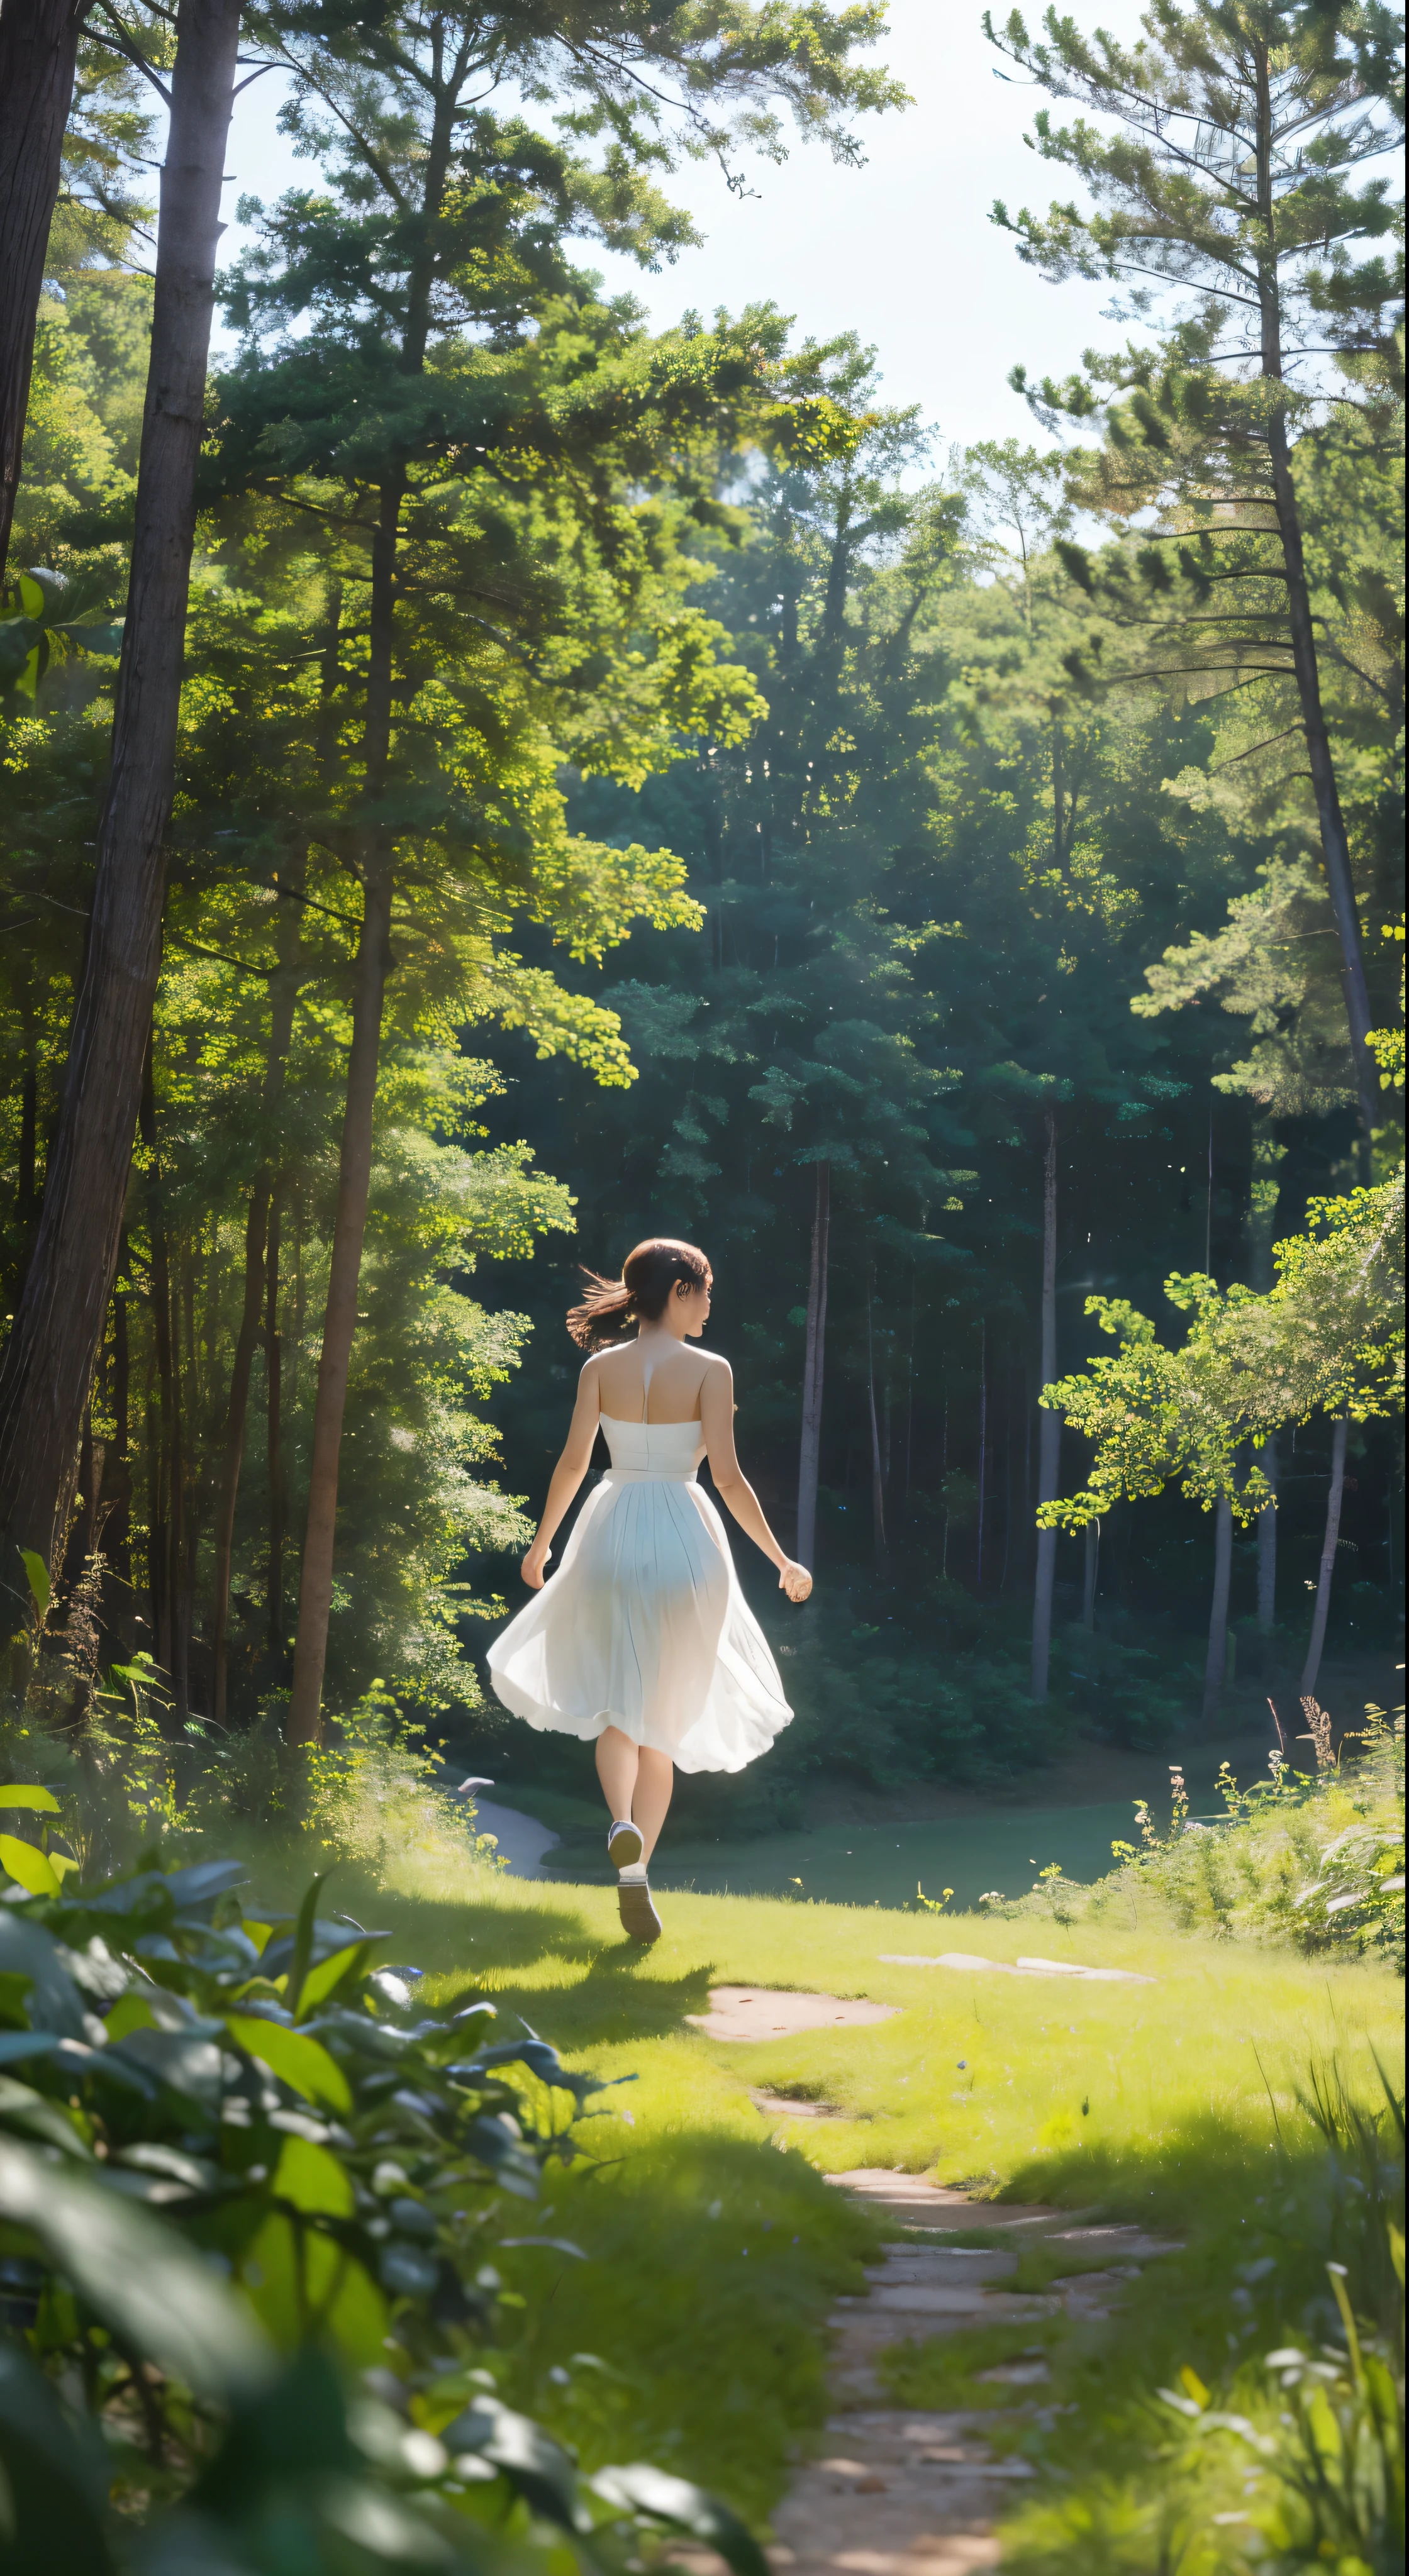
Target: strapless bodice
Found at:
x=669, y=1451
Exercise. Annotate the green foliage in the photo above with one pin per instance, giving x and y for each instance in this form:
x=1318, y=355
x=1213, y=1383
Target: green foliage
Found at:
x=234, y=2176
x=1317, y=1859
x=1313, y=1859
x=1328, y=1337
x=1219, y=155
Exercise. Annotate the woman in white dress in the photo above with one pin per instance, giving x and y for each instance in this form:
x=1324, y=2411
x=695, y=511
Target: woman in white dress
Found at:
x=643, y=1642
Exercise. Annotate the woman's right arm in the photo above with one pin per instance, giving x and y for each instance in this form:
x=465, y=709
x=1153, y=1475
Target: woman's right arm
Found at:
x=732, y=1485
x=568, y=1473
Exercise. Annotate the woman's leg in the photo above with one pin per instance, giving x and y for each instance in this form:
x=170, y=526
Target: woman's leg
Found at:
x=617, y=1760
x=636, y=1782
x=655, y=1779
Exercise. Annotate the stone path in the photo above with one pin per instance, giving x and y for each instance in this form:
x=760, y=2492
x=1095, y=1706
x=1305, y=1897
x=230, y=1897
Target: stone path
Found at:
x=900, y=2491
x=969, y=1961
x=769, y=2012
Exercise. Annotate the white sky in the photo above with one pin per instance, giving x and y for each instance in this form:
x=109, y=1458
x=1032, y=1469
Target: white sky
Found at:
x=901, y=251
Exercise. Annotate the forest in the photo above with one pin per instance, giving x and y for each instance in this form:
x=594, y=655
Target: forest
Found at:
x=487, y=777
x=628, y=783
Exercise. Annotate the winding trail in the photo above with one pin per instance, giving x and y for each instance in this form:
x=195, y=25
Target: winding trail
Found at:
x=901, y=2491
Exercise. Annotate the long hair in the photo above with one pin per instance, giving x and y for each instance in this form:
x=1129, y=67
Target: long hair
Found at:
x=649, y=1278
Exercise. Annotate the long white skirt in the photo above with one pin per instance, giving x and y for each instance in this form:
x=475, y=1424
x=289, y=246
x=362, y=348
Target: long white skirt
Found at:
x=644, y=1627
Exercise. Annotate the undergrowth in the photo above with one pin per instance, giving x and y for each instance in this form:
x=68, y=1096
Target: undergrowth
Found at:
x=1241, y=2413
x=1314, y=1859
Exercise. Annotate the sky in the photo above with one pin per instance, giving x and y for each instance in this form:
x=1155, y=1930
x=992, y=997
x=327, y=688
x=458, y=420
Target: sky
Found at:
x=900, y=251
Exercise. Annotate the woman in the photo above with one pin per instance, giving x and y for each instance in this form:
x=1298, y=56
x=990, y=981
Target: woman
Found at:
x=643, y=1640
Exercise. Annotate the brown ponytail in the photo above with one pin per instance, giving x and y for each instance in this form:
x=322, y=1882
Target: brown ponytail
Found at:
x=650, y=1275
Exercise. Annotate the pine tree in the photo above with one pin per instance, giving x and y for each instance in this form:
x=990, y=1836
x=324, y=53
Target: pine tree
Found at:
x=1228, y=181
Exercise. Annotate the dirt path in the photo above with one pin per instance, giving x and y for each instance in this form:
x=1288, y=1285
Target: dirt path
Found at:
x=903, y=2492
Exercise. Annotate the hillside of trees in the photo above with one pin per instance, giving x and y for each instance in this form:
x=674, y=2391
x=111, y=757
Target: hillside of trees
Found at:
x=619, y=782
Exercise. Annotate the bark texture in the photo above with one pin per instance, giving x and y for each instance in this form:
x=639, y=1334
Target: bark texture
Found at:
x=374, y=963
x=1216, y=1661
x=809, y=1463
x=251, y=1318
x=1049, y=1438
x=1329, y=1543
x=260, y=1306
x=48, y=1364
x=38, y=52
x=274, y=1434
x=315, y=1598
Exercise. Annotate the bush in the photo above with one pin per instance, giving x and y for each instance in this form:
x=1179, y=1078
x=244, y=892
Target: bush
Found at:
x=372, y=1787
x=249, y=2209
x=1314, y=1859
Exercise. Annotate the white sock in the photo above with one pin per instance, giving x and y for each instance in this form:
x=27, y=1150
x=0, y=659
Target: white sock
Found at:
x=633, y=1869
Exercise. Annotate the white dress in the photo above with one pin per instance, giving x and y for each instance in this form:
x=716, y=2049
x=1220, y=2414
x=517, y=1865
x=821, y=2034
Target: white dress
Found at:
x=643, y=1626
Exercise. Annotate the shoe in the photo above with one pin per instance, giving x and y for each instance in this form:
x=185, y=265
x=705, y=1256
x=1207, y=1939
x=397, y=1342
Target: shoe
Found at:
x=639, y=1918
x=624, y=1845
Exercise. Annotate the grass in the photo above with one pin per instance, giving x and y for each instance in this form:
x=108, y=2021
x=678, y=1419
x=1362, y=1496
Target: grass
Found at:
x=945, y=2372
x=715, y=2245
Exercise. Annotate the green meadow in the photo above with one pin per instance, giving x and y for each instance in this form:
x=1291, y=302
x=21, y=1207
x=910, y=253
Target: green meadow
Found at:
x=708, y=2243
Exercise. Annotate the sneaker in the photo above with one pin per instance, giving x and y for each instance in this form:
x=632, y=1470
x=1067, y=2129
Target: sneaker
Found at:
x=639, y=1918
x=624, y=1845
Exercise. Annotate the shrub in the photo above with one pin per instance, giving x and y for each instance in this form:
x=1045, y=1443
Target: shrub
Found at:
x=250, y=2204
x=1314, y=1859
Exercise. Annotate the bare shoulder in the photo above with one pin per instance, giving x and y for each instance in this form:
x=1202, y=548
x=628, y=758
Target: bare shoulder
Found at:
x=589, y=1376
x=717, y=1371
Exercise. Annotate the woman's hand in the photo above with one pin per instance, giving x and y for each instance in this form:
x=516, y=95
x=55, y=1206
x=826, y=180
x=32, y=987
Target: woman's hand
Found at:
x=533, y=1565
x=794, y=1580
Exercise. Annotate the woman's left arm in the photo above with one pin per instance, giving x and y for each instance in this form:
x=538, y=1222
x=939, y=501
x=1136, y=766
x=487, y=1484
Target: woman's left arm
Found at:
x=567, y=1475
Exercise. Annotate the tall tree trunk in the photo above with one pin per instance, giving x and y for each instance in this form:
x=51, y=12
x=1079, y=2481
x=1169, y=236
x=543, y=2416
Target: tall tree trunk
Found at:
x=117, y=1471
x=1049, y=1438
x=164, y=1450
x=374, y=963
x=251, y=1316
x=283, y=997
x=1267, y=1543
x=273, y=1384
x=1216, y=1661
x=809, y=1462
x=1329, y=1541
x=85, y=1517
x=1335, y=844
x=48, y=1364
x=38, y=54
x=304, y=1724
x=153, y=1458
x=878, y=1486
x=185, y=1518
x=1090, y=1575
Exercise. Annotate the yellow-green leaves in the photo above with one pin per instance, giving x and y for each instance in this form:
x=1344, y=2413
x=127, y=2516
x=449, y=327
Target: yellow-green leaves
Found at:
x=1329, y=1338
x=295, y=2058
x=31, y=1867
